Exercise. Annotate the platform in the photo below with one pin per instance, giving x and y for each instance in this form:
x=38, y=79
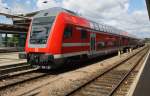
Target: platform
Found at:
x=10, y=59
x=143, y=85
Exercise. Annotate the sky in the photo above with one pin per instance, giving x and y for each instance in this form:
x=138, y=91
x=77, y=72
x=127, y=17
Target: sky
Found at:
x=128, y=15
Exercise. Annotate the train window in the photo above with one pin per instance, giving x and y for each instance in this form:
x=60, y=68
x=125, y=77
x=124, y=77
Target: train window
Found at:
x=92, y=25
x=45, y=14
x=100, y=45
x=96, y=27
x=68, y=31
x=108, y=29
x=104, y=30
x=110, y=43
x=83, y=34
x=101, y=27
x=41, y=28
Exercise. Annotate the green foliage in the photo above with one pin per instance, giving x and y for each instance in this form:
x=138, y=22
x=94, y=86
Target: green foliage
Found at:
x=13, y=41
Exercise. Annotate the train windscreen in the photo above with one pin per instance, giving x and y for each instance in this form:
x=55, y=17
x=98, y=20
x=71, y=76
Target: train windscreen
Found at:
x=40, y=29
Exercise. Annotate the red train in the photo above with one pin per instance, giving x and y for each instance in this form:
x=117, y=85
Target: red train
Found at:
x=57, y=35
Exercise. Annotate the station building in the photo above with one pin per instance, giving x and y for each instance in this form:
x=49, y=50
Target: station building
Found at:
x=14, y=34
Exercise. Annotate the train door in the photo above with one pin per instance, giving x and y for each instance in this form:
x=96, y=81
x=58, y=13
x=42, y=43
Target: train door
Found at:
x=92, y=43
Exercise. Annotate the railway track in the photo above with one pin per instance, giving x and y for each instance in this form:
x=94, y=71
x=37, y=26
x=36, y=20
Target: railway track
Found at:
x=108, y=83
x=128, y=85
x=18, y=73
x=10, y=69
x=21, y=77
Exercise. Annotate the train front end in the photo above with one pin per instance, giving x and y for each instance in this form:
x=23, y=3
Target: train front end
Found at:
x=39, y=40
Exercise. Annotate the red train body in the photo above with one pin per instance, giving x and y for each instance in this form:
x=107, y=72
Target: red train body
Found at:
x=57, y=35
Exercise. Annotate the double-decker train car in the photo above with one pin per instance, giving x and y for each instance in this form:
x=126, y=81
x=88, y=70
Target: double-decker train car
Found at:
x=57, y=35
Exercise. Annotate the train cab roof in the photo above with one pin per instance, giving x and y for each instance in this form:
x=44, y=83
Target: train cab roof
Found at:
x=53, y=12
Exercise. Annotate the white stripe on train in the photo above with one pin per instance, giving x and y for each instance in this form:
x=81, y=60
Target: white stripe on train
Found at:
x=75, y=44
x=85, y=52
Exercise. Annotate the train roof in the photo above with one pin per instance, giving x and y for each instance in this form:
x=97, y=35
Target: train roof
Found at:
x=93, y=25
x=54, y=11
x=110, y=29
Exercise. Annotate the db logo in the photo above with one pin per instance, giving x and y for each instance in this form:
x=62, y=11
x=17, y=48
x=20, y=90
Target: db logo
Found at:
x=36, y=49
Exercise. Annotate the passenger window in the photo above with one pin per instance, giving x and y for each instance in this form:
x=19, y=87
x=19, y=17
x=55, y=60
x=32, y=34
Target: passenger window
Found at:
x=68, y=31
x=100, y=45
x=96, y=26
x=83, y=34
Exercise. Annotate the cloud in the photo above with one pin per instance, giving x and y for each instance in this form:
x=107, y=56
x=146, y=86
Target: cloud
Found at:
x=3, y=7
x=3, y=19
x=17, y=6
x=28, y=2
x=22, y=6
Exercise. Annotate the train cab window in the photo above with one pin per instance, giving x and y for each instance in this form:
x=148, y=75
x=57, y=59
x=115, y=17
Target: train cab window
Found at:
x=68, y=31
x=83, y=34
